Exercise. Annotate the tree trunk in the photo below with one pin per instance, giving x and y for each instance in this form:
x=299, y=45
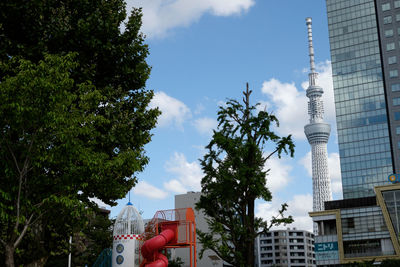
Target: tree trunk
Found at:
x=9, y=254
x=250, y=243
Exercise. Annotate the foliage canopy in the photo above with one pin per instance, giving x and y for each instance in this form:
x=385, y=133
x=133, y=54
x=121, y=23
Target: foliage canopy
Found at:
x=75, y=117
x=235, y=177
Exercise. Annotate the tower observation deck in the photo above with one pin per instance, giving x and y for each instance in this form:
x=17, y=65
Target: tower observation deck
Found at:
x=317, y=132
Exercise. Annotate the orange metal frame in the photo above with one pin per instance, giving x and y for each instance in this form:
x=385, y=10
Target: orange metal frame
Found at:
x=182, y=222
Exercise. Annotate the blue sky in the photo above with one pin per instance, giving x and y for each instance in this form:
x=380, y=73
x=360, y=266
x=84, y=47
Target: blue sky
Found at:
x=203, y=52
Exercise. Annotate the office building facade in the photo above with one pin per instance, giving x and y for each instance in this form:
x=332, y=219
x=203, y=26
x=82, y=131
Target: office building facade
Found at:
x=359, y=229
x=365, y=51
x=286, y=248
x=366, y=100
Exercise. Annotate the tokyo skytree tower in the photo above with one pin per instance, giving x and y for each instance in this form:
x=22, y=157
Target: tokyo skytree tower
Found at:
x=317, y=132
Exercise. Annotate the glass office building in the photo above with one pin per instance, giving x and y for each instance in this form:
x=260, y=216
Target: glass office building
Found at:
x=364, y=39
x=365, y=51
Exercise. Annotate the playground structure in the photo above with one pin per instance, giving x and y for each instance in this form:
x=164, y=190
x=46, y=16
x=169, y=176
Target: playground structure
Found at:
x=128, y=229
x=135, y=246
x=169, y=229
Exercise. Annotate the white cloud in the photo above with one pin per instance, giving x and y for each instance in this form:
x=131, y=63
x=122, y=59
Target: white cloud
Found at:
x=147, y=190
x=100, y=203
x=221, y=103
x=174, y=112
x=290, y=103
x=199, y=109
x=334, y=170
x=161, y=16
x=205, y=125
x=188, y=174
x=175, y=186
x=298, y=208
x=263, y=105
x=278, y=176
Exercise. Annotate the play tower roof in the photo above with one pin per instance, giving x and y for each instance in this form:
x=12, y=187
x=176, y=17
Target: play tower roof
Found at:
x=129, y=221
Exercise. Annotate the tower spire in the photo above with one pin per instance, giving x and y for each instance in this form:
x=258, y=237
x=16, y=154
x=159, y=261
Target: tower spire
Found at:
x=312, y=75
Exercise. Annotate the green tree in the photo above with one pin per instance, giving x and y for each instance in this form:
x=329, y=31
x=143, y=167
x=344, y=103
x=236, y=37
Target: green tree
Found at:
x=88, y=242
x=75, y=117
x=177, y=262
x=97, y=235
x=235, y=178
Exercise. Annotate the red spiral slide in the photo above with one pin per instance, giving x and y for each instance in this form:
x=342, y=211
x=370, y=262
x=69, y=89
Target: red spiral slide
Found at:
x=151, y=247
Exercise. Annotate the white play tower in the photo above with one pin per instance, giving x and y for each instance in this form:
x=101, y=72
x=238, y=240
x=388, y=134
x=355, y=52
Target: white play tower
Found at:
x=128, y=229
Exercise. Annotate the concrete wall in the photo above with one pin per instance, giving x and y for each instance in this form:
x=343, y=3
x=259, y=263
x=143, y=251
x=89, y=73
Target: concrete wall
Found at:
x=186, y=201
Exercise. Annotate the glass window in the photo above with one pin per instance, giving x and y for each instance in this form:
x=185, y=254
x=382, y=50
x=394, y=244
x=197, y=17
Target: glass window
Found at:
x=350, y=222
x=398, y=145
x=396, y=101
x=397, y=115
x=393, y=73
x=392, y=60
x=396, y=3
x=398, y=130
x=390, y=46
x=395, y=87
x=386, y=7
x=397, y=17
x=387, y=20
x=389, y=33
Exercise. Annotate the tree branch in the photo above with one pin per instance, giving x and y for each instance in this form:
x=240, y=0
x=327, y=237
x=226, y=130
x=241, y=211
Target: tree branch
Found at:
x=256, y=137
x=18, y=202
x=21, y=235
x=228, y=260
x=40, y=215
x=272, y=153
x=23, y=174
x=26, y=161
x=28, y=223
x=14, y=158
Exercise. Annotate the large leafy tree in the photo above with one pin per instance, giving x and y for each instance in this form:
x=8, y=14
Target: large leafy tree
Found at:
x=235, y=177
x=75, y=117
